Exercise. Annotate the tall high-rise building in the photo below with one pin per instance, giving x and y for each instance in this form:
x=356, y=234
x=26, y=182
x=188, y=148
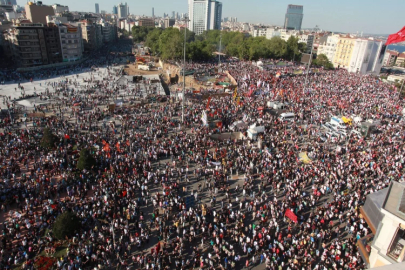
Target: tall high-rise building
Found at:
x=122, y=10
x=97, y=9
x=293, y=17
x=204, y=15
x=153, y=12
x=8, y=2
x=173, y=15
x=115, y=10
x=169, y=22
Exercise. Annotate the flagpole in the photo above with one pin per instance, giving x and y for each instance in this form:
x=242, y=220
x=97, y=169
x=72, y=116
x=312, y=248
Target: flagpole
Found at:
x=402, y=85
x=309, y=64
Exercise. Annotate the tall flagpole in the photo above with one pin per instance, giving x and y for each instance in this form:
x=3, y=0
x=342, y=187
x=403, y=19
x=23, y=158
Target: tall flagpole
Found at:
x=309, y=64
x=184, y=72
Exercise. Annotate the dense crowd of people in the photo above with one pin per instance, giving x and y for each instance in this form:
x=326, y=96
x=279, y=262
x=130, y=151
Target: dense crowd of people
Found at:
x=165, y=194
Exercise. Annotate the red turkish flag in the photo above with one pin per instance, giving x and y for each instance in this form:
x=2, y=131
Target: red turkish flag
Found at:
x=397, y=37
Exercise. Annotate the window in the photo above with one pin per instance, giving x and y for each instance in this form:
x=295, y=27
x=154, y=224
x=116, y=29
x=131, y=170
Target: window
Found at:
x=396, y=248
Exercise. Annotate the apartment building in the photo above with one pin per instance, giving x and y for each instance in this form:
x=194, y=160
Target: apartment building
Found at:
x=344, y=51
x=308, y=39
x=367, y=56
x=390, y=58
x=71, y=42
x=169, y=22
x=400, y=60
x=328, y=46
x=109, y=31
x=92, y=35
x=149, y=22
x=36, y=12
x=34, y=44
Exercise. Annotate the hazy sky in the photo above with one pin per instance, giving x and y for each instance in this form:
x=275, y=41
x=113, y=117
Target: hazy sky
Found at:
x=376, y=16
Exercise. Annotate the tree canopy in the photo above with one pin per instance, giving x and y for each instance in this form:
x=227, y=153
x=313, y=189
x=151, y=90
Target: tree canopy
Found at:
x=48, y=139
x=140, y=33
x=322, y=61
x=168, y=44
x=66, y=224
x=86, y=160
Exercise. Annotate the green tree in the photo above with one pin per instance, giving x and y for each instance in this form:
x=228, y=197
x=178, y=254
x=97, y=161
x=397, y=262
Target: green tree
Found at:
x=292, y=49
x=171, y=44
x=48, y=139
x=323, y=61
x=86, y=160
x=199, y=51
x=243, y=50
x=152, y=40
x=277, y=47
x=66, y=225
x=139, y=33
x=302, y=46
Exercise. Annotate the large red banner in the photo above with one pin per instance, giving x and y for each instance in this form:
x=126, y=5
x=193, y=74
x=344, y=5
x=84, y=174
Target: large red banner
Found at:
x=290, y=214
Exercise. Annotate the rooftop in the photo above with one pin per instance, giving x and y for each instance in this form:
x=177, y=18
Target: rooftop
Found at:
x=395, y=199
x=393, y=52
x=372, y=208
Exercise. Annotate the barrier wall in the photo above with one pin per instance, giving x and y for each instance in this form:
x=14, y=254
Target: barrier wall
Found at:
x=62, y=64
x=226, y=136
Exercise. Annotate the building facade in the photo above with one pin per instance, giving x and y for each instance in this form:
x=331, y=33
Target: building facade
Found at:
x=71, y=42
x=390, y=58
x=148, y=22
x=122, y=10
x=259, y=32
x=328, y=46
x=169, y=22
x=92, y=35
x=216, y=15
x=384, y=212
x=293, y=17
x=97, y=8
x=109, y=32
x=115, y=10
x=34, y=44
x=204, y=15
x=344, y=51
x=400, y=60
x=37, y=13
x=59, y=9
x=367, y=56
x=53, y=46
x=308, y=39
x=359, y=55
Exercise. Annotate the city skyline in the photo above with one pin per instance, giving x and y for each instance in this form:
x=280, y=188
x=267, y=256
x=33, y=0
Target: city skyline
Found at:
x=343, y=16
